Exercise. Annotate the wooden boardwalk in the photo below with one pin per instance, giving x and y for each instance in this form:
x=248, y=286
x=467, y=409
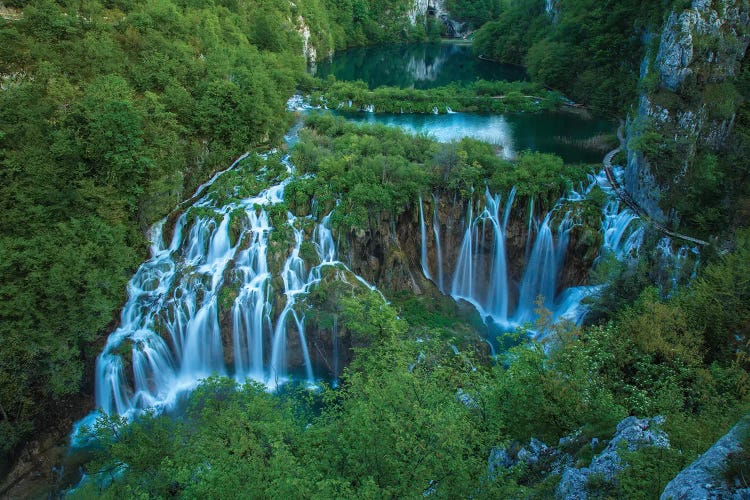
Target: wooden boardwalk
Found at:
x=631, y=203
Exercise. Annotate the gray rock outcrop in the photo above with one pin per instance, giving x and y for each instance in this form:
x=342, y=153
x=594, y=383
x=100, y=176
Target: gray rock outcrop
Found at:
x=633, y=434
x=701, y=479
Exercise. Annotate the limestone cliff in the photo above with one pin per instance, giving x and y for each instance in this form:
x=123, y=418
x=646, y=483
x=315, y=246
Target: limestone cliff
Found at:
x=424, y=8
x=688, y=103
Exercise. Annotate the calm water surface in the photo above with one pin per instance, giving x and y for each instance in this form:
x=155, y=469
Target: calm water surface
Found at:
x=422, y=66
x=570, y=135
x=566, y=134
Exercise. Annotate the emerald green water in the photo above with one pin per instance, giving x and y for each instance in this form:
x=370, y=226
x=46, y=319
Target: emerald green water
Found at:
x=422, y=66
x=573, y=136
x=568, y=135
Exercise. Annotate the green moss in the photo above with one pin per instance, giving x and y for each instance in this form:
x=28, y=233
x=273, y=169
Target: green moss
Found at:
x=227, y=295
x=195, y=213
x=237, y=220
x=309, y=254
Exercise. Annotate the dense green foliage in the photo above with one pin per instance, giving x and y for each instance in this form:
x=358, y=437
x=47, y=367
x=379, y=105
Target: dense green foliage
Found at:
x=476, y=12
x=591, y=51
x=358, y=22
x=111, y=113
x=362, y=172
x=482, y=96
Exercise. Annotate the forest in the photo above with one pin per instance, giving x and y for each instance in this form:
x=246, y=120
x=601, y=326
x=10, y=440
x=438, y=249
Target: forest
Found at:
x=113, y=113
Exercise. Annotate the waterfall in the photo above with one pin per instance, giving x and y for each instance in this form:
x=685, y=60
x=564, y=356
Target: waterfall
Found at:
x=423, y=233
x=540, y=275
x=251, y=309
x=438, y=246
x=481, y=274
x=464, y=273
x=615, y=226
x=170, y=336
x=489, y=293
x=295, y=282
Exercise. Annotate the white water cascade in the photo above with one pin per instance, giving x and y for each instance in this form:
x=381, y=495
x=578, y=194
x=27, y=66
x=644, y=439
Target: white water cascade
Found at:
x=481, y=275
x=170, y=335
x=490, y=295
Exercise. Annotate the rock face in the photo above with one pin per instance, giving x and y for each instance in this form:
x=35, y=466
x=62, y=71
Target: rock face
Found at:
x=700, y=479
x=687, y=42
x=700, y=47
x=426, y=7
x=308, y=49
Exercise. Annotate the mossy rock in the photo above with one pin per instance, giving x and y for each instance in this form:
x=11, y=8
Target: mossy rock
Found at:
x=237, y=220
x=309, y=254
x=227, y=296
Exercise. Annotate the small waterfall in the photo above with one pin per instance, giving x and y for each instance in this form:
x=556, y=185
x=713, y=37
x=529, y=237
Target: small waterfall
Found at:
x=435, y=110
x=438, y=246
x=540, y=276
x=463, y=285
x=489, y=293
x=530, y=227
x=615, y=226
x=508, y=206
x=295, y=282
x=423, y=233
x=672, y=263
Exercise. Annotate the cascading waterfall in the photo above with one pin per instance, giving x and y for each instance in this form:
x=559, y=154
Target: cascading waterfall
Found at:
x=540, y=277
x=490, y=295
x=170, y=337
x=481, y=276
x=251, y=310
x=423, y=232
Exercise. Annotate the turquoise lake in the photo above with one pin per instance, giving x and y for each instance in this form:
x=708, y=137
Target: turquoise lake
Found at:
x=573, y=135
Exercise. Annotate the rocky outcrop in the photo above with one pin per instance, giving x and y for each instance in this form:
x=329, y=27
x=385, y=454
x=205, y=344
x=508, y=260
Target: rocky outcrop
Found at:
x=308, y=49
x=699, y=49
x=710, y=36
x=424, y=8
x=632, y=434
x=701, y=479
